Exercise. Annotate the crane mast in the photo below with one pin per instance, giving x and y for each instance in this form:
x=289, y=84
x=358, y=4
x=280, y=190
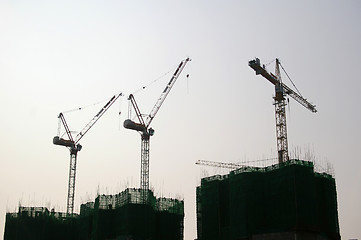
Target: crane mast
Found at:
x=281, y=90
x=146, y=132
x=280, y=113
x=74, y=147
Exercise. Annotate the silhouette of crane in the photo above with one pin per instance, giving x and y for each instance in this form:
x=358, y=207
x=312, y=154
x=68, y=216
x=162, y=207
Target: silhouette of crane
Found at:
x=229, y=165
x=72, y=143
x=280, y=103
x=143, y=128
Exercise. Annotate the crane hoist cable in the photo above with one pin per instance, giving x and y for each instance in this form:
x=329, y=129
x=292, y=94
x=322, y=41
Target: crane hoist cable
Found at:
x=86, y=106
x=152, y=82
x=270, y=62
x=290, y=80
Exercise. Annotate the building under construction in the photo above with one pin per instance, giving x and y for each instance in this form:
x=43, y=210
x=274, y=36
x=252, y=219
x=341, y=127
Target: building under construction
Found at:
x=283, y=201
x=122, y=216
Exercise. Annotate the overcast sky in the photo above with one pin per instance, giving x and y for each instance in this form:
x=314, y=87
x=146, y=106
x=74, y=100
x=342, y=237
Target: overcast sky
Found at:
x=60, y=55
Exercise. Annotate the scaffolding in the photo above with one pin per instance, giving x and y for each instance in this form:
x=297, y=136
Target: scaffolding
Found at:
x=126, y=214
x=39, y=223
x=121, y=216
x=251, y=201
x=128, y=196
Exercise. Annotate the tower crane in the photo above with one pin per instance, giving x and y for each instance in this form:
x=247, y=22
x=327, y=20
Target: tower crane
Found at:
x=228, y=165
x=72, y=143
x=146, y=132
x=280, y=103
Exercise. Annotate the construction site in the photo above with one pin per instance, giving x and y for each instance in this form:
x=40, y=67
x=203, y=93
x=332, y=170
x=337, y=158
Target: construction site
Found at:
x=283, y=201
x=121, y=216
x=289, y=199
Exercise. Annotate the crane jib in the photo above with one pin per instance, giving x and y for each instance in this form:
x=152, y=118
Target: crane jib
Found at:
x=106, y=106
x=256, y=66
x=173, y=77
x=169, y=84
x=175, y=74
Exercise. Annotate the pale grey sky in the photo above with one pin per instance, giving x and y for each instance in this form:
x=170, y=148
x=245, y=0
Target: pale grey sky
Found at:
x=59, y=55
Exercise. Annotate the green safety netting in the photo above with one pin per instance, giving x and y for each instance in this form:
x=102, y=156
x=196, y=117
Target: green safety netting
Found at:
x=122, y=216
x=287, y=197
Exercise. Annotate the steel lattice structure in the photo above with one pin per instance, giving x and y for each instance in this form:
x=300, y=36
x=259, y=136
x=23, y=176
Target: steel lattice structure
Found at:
x=280, y=104
x=146, y=132
x=74, y=147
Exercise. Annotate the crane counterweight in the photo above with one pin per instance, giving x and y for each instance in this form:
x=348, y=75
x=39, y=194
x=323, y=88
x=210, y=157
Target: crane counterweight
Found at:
x=129, y=124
